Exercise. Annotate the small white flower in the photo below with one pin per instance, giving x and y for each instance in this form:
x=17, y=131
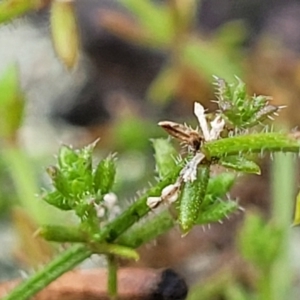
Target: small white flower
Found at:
x=217, y=125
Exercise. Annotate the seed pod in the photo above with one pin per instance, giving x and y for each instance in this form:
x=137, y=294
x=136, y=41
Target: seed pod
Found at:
x=65, y=31
x=191, y=198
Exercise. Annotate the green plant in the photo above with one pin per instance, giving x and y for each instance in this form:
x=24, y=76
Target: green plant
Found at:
x=185, y=184
x=263, y=248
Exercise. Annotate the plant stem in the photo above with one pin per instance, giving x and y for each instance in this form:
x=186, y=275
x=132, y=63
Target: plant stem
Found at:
x=283, y=188
x=143, y=233
x=265, y=286
x=133, y=213
x=62, y=263
x=112, y=278
x=76, y=254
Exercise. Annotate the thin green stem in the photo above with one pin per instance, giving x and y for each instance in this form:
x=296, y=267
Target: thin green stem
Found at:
x=76, y=254
x=112, y=284
x=143, y=233
x=283, y=190
x=62, y=263
x=134, y=213
x=265, y=286
x=116, y=250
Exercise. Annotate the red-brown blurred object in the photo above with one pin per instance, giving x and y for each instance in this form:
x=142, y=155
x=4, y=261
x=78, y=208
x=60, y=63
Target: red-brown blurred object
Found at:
x=133, y=284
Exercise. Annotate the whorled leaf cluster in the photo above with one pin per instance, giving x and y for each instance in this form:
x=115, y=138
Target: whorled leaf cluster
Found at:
x=223, y=138
x=82, y=187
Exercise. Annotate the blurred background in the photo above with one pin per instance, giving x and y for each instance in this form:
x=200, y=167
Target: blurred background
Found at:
x=138, y=62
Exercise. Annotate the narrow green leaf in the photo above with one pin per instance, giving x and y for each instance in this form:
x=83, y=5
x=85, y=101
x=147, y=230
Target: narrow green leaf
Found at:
x=240, y=164
x=220, y=184
x=208, y=60
x=115, y=249
x=59, y=181
x=63, y=234
x=11, y=103
x=216, y=212
x=251, y=143
x=10, y=9
x=217, y=188
x=64, y=31
x=66, y=157
x=164, y=85
x=144, y=232
x=165, y=155
x=155, y=18
x=57, y=199
x=104, y=175
x=260, y=241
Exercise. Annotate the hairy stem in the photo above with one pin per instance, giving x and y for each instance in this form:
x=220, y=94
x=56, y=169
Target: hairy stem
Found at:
x=251, y=143
x=143, y=233
x=62, y=263
x=76, y=254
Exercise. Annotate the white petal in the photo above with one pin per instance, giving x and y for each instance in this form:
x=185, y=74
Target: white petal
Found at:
x=217, y=125
x=200, y=114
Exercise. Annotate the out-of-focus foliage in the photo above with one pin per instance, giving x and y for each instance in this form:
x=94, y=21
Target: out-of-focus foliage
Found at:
x=260, y=242
x=10, y=9
x=64, y=30
x=170, y=27
x=297, y=211
x=11, y=104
